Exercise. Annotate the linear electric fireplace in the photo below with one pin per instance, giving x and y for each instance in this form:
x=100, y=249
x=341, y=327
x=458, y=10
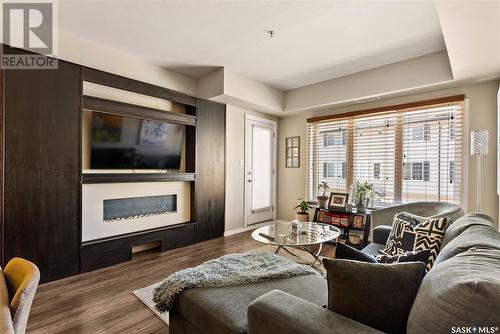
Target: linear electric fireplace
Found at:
x=120, y=209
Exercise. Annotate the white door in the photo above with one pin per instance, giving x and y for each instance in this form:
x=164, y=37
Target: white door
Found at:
x=260, y=165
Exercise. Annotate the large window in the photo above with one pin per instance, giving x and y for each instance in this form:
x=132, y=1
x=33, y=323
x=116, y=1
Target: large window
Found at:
x=410, y=153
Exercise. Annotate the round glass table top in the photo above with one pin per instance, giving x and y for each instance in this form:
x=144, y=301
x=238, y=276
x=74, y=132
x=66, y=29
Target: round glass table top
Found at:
x=283, y=233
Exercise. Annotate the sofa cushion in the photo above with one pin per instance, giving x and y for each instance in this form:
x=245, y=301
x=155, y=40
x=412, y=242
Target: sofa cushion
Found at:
x=375, y=294
x=411, y=234
x=463, y=291
x=462, y=224
x=224, y=310
x=479, y=236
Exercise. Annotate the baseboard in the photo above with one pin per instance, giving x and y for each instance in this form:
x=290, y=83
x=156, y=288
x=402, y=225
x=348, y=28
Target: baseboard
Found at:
x=247, y=228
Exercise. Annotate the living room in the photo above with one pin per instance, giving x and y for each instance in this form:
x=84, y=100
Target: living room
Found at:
x=250, y=166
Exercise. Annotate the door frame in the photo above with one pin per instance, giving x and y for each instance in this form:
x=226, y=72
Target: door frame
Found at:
x=274, y=124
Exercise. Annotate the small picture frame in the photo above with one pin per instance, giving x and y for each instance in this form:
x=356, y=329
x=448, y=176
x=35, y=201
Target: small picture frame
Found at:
x=358, y=221
x=292, y=150
x=338, y=201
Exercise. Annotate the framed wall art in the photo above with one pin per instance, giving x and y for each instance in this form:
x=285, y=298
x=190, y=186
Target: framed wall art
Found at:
x=292, y=152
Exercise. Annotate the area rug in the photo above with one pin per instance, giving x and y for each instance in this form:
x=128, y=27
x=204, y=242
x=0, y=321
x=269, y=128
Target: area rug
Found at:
x=228, y=270
x=145, y=295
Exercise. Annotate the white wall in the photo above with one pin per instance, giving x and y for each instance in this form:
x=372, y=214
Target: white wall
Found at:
x=403, y=76
x=83, y=52
x=235, y=165
x=482, y=115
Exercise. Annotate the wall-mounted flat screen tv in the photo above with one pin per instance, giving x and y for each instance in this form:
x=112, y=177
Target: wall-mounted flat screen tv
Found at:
x=119, y=142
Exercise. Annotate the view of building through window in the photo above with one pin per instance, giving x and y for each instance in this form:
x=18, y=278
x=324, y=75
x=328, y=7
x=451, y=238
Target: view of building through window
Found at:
x=409, y=154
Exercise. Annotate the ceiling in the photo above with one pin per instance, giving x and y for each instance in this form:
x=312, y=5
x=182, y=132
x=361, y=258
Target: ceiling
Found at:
x=314, y=40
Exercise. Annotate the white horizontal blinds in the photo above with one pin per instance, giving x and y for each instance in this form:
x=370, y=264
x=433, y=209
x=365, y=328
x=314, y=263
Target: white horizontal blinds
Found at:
x=409, y=154
x=374, y=151
x=432, y=153
x=327, y=156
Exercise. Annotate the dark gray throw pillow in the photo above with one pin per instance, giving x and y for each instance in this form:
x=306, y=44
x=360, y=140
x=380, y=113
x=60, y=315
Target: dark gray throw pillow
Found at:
x=414, y=256
x=346, y=252
x=375, y=294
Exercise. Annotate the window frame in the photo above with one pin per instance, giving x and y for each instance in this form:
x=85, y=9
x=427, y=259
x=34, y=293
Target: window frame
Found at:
x=397, y=174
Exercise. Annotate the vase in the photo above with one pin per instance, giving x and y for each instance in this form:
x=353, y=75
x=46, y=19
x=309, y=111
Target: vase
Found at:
x=362, y=205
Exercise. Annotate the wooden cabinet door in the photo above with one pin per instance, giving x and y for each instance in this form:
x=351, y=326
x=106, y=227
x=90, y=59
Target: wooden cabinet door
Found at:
x=210, y=169
x=42, y=169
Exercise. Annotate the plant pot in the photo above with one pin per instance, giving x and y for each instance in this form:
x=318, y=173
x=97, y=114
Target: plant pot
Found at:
x=302, y=217
x=362, y=205
x=323, y=201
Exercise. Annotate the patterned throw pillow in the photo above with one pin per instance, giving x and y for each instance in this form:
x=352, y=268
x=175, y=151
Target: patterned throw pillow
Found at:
x=410, y=234
x=415, y=256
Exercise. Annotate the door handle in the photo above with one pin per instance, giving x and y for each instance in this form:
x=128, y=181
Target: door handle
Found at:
x=249, y=180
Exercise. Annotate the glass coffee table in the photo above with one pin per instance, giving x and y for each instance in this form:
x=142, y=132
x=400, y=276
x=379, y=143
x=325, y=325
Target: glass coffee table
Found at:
x=285, y=235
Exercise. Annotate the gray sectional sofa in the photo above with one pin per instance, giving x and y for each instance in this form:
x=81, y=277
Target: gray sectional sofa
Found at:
x=461, y=290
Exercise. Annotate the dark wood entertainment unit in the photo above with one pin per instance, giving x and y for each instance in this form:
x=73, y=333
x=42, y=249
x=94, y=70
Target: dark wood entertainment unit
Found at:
x=41, y=168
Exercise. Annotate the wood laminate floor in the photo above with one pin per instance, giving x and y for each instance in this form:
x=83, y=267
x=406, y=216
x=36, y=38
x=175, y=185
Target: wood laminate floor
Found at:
x=102, y=301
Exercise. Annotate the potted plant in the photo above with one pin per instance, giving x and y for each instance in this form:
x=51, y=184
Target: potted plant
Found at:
x=302, y=214
x=362, y=193
x=323, y=199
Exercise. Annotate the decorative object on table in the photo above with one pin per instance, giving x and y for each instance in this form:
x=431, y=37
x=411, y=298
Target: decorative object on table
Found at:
x=339, y=219
x=409, y=234
x=357, y=221
x=302, y=214
x=228, y=270
x=338, y=201
x=362, y=193
x=354, y=239
x=344, y=220
x=295, y=227
x=292, y=152
x=479, y=140
x=323, y=199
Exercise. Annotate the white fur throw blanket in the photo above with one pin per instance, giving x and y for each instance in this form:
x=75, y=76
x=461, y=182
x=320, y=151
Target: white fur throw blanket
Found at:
x=232, y=269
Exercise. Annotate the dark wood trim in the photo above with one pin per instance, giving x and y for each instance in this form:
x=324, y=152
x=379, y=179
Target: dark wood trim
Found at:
x=131, y=110
x=135, y=234
x=105, y=252
x=80, y=166
x=446, y=99
x=2, y=165
x=210, y=170
x=42, y=169
x=89, y=178
x=117, y=81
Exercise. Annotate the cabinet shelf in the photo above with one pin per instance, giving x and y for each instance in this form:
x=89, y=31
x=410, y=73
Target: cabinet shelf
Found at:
x=89, y=178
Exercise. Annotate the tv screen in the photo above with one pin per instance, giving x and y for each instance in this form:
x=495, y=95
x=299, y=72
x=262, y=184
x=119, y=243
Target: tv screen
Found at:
x=119, y=142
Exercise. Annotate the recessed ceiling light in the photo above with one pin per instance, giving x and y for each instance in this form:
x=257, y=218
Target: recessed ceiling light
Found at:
x=270, y=33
